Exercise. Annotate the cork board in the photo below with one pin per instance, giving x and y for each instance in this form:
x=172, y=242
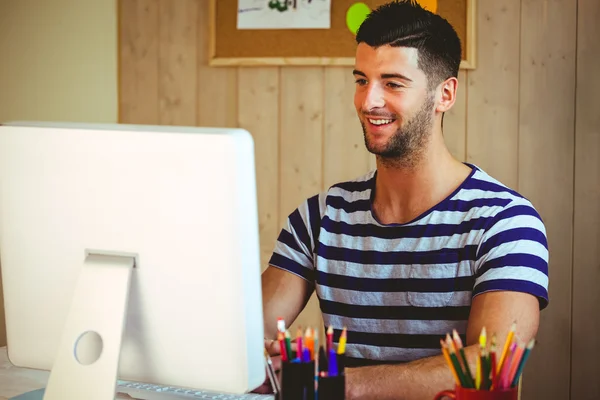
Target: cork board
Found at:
x=230, y=46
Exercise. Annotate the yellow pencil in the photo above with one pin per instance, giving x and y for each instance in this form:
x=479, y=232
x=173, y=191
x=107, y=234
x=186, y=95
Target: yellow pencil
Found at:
x=507, y=344
x=478, y=374
x=342, y=345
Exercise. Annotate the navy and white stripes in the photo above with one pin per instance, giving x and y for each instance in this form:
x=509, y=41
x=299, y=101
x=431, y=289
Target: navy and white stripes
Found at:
x=399, y=288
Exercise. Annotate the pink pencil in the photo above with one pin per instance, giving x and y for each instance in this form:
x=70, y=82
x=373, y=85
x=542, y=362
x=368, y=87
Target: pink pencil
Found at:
x=506, y=367
x=516, y=360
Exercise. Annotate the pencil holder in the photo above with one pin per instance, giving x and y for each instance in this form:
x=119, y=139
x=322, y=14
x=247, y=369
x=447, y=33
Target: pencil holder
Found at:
x=331, y=388
x=461, y=393
x=298, y=381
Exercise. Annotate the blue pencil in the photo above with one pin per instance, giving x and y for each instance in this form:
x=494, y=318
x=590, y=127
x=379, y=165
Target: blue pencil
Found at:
x=522, y=363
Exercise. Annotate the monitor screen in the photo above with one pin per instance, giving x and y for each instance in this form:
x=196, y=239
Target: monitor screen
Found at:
x=180, y=204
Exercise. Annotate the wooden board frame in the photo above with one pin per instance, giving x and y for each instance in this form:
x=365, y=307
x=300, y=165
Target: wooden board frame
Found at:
x=468, y=63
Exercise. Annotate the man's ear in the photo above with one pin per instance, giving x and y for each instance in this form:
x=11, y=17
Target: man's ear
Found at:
x=447, y=94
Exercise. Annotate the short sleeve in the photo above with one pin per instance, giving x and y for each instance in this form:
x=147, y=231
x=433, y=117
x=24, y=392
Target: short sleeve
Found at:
x=513, y=254
x=295, y=245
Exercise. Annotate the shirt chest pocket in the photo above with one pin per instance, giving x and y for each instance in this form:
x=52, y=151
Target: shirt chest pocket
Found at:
x=432, y=285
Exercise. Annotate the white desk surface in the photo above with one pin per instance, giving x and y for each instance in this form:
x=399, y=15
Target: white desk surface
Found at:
x=15, y=381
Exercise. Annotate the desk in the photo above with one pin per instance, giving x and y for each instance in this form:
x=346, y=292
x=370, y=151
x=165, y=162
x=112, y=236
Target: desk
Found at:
x=15, y=381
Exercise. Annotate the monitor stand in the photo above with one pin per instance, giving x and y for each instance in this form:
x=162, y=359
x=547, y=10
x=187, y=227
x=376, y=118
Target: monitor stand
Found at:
x=87, y=361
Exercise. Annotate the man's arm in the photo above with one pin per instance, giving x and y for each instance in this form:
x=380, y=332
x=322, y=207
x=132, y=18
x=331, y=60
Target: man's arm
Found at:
x=284, y=295
x=422, y=379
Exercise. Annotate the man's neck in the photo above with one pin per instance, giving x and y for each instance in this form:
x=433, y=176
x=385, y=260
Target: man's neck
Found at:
x=403, y=192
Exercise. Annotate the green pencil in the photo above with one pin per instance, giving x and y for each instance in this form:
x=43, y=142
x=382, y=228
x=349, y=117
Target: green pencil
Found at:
x=468, y=376
x=288, y=345
x=455, y=362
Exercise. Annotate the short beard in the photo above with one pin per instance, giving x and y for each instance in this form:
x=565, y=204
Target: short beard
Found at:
x=405, y=148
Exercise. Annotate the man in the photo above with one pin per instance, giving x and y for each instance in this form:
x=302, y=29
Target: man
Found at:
x=421, y=246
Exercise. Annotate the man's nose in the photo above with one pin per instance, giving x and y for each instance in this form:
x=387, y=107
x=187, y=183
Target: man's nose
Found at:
x=373, y=98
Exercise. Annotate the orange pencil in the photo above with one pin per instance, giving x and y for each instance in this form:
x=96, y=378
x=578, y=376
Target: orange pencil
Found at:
x=310, y=341
x=516, y=360
x=507, y=345
x=449, y=362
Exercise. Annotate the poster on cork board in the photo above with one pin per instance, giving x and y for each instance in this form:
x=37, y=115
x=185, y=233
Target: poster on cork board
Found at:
x=237, y=39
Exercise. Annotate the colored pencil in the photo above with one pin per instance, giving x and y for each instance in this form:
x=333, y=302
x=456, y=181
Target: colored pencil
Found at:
x=455, y=361
x=282, y=348
x=299, y=346
x=514, y=364
x=493, y=360
x=329, y=339
x=506, y=367
x=517, y=376
x=449, y=362
x=507, y=344
x=342, y=344
x=280, y=325
x=309, y=341
x=288, y=345
x=459, y=346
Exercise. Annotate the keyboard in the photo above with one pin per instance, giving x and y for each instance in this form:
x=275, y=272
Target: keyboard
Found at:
x=146, y=391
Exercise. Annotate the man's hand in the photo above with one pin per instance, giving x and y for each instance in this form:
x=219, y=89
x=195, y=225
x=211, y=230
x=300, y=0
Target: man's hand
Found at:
x=272, y=347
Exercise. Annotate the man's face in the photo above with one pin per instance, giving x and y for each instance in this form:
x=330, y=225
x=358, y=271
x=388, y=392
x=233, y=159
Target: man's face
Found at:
x=395, y=108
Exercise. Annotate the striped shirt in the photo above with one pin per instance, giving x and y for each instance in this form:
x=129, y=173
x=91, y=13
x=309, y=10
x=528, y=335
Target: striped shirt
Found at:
x=399, y=288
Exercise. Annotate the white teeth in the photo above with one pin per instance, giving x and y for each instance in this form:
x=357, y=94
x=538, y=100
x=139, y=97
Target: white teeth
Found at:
x=380, y=121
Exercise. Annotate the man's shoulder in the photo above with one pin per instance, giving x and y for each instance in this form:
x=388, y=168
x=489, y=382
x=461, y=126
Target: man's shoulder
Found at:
x=363, y=183
x=490, y=187
x=488, y=190
x=349, y=190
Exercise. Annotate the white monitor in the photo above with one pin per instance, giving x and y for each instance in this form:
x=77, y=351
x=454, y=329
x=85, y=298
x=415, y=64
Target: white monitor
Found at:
x=146, y=235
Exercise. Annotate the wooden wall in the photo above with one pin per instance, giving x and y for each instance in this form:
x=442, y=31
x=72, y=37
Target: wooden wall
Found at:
x=528, y=115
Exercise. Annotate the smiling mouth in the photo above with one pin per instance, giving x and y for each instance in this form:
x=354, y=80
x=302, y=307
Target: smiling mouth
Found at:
x=380, y=121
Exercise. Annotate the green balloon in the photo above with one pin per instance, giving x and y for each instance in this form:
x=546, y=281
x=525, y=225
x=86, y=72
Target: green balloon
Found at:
x=356, y=15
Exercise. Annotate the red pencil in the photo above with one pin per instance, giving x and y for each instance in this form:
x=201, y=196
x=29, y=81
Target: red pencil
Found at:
x=281, y=340
x=329, y=339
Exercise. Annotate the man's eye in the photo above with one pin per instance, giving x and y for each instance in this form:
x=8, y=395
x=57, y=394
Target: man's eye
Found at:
x=394, y=85
x=361, y=81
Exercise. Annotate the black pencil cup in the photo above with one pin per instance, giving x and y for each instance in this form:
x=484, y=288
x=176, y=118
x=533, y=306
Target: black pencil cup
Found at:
x=332, y=388
x=297, y=381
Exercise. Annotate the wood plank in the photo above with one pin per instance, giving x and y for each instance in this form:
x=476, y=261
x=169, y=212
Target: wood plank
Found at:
x=345, y=156
x=258, y=112
x=217, y=86
x=301, y=166
x=2, y=317
x=177, y=62
x=455, y=121
x=586, y=258
x=138, y=66
x=299, y=62
x=493, y=104
x=546, y=156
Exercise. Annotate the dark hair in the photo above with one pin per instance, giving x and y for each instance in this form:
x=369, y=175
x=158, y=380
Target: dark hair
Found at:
x=406, y=23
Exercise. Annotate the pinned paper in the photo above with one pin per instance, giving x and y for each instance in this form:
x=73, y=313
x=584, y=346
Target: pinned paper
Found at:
x=284, y=14
x=430, y=5
x=356, y=15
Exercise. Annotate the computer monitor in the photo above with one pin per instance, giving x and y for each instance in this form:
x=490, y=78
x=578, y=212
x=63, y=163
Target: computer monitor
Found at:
x=139, y=241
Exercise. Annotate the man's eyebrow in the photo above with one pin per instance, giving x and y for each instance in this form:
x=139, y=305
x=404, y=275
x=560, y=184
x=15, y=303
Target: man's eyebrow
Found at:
x=384, y=76
x=398, y=76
